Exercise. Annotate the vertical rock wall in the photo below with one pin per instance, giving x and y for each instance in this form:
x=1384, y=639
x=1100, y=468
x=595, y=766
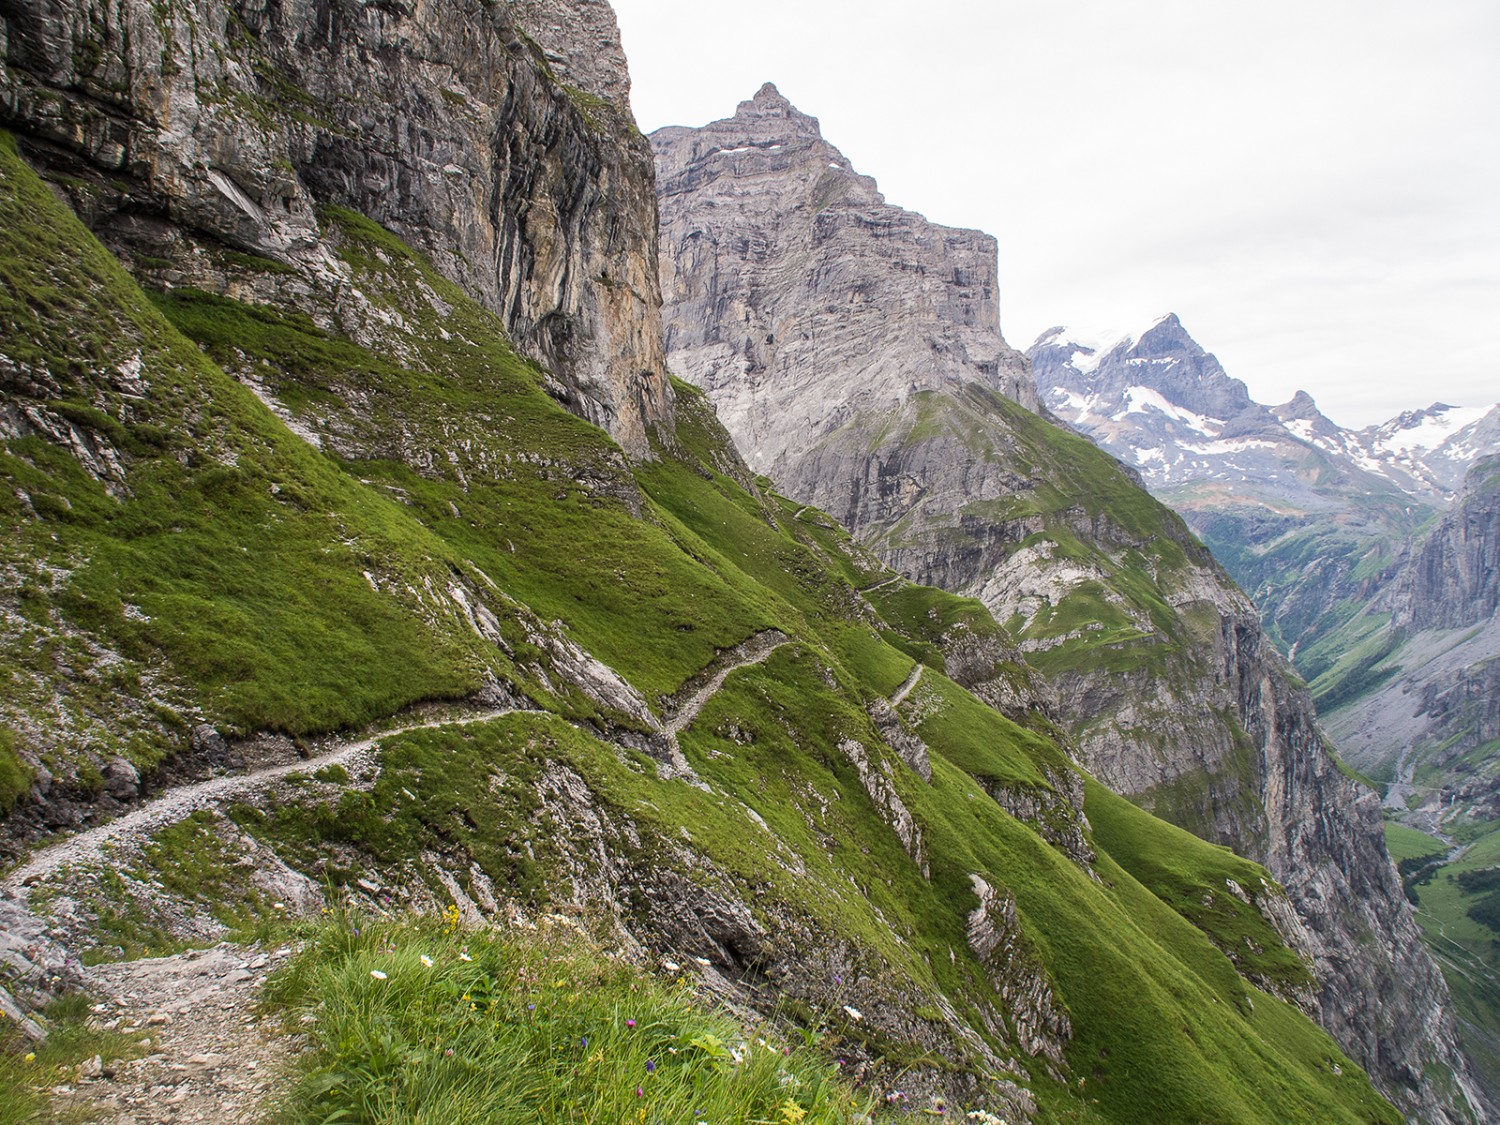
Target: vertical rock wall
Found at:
x=176, y=125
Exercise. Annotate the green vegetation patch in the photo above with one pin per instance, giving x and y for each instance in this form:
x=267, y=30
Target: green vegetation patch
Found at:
x=29, y=1071
x=1209, y=885
x=15, y=775
x=420, y=1021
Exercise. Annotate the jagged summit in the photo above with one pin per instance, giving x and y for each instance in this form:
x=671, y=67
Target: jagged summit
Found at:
x=771, y=102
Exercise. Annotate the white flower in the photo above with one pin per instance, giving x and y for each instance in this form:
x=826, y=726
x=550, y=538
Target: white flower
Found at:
x=464, y=957
x=854, y=1013
x=671, y=966
x=427, y=961
x=704, y=961
x=377, y=974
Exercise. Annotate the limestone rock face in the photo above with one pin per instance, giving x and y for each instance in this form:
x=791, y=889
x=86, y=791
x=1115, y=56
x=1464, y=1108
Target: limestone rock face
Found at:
x=581, y=41
x=778, y=256
x=492, y=137
x=1454, y=579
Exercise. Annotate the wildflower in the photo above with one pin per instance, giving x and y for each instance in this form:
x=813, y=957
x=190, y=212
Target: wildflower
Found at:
x=448, y=1053
x=531, y=1007
x=377, y=974
x=704, y=961
x=585, y=1042
x=630, y=1023
x=854, y=1013
x=31, y=1056
x=837, y=979
x=639, y=1092
x=463, y=955
x=650, y=1065
x=426, y=961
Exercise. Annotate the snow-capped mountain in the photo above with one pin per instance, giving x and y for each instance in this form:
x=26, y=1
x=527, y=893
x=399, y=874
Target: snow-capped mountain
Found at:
x=1162, y=403
x=1310, y=517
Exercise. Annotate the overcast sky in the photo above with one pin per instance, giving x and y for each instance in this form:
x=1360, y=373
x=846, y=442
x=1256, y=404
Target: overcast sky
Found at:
x=1312, y=185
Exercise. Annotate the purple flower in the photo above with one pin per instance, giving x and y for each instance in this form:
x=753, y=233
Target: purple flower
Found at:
x=585, y=1042
x=639, y=1092
x=630, y=1023
x=531, y=1007
x=650, y=1065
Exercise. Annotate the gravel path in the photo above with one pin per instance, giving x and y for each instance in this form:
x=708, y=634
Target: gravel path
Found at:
x=752, y=652
x=210, y=1061
x=175, y=804
x=906, y=689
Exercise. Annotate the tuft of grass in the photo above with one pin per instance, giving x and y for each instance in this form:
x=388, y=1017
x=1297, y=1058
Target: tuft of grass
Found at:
x=15, y=775
x=28, y=1071
x=418, y=1020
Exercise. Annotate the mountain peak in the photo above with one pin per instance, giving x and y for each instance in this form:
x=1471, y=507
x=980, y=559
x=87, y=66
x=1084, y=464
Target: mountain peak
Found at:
x=1302, y=405
x=771, y=103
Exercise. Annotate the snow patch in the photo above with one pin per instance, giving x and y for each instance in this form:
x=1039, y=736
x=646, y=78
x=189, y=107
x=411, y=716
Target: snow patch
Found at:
x=1432, y=431
x=1140, y=400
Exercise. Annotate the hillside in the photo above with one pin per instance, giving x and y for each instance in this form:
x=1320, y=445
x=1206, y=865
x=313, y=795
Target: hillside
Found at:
x=1369, y=555
x=361, y=555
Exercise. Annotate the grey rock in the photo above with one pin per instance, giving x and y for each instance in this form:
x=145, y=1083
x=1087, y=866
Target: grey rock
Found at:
x=446, y=123
x=776, y=255
x=1453, y=580
x=122, y=780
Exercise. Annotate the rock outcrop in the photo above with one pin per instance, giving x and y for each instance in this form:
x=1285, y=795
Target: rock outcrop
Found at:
x=494, y=138
x=778, y=269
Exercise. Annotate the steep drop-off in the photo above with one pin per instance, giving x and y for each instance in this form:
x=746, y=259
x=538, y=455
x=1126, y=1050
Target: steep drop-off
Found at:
x=1161, y=672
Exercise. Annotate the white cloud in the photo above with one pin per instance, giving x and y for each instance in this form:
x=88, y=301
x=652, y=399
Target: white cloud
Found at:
x=1313, y=186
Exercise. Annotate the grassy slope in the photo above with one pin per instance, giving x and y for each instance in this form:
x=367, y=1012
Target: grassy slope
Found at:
x=230, y=553
x=1164, y=1028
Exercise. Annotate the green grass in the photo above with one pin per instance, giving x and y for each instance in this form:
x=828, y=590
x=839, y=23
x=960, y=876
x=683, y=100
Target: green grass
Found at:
x=230, y=554
x=15, y=776
x=29, y=1071
x=1409, y=843
x=538, y=1026
x=1194, y=878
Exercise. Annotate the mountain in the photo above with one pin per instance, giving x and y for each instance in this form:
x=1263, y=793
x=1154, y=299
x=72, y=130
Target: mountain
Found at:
x=361, y=556
x=1160, y=674
x=1369, y=554
x=1311, y=518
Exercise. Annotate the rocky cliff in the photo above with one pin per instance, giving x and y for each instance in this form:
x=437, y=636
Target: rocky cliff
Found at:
x=780, y=256
x=185, y=128
x=1163, y=677
x=1453, y=580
